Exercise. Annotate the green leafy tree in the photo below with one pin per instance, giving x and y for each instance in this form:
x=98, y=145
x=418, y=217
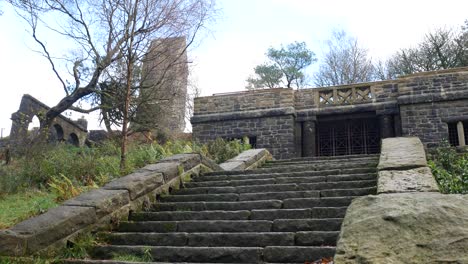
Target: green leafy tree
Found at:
x=285, y=67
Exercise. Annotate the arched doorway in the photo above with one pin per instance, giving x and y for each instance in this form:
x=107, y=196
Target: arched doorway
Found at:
x=73, y=139
x=56, y=133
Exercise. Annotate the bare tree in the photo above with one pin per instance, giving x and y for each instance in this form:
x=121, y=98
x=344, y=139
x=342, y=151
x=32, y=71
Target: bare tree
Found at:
x=110, y=39
x=344, y=62
x=442, y=48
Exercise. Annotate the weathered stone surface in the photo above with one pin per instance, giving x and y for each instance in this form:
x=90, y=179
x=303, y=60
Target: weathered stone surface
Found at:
x=104, y=201
x=210, y=164
x=39, y=232
x=405, y=228
x=413, y=180
x=137, y=184
x=233, y=165
x=188, y=161
x=170, y=170
x=402, y=153
x=250, y=156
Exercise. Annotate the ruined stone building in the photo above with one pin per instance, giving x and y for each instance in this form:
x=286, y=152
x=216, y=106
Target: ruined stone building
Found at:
x=63, y=129
x=164, y=86
x=341, y=120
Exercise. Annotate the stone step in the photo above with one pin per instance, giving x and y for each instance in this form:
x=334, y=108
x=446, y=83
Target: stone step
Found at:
x=279, y=187
x=288, y=203
x=264, y=214
x=184, y=254
x=260, y=239
x=231, y=197
x=320, y=175
x=297, y=254
x=278, y=180
x=197, y=226
x=331, y=162
x=325, y=158
x=224, y=206
x=366, y=167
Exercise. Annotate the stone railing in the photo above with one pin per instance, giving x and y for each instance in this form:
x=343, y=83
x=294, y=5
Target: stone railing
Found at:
x=103, y=208
x=344, y=95
x=409, y=221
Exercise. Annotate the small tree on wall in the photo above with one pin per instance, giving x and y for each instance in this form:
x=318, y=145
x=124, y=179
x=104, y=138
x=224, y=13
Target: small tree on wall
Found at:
x=285, y=67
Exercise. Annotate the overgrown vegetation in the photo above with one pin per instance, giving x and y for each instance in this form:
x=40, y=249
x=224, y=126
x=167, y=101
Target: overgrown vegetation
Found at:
x=450, y=170
x=49, y=175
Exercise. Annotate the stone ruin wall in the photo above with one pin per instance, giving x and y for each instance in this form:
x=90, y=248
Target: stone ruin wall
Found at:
x=62, y=128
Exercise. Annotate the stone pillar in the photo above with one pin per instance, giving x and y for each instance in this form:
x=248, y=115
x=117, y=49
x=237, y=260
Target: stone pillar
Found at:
x=461, y=134
x=386, y=126
x=308, y=138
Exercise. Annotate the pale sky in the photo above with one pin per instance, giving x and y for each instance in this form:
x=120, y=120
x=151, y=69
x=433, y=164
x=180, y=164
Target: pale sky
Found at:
x=237, y=41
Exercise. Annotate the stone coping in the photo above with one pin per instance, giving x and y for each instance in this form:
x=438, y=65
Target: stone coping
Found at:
x=247, y=160
x=101, y=209
x=259, y=113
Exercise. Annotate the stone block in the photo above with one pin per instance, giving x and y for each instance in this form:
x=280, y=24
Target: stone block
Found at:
x=138, y=183
x=39, y=232
x=234, y=165
x=210, y=164
x=188, y=161
x=170, y=170
x=413, y=180
x=104, y=201
x=405, y=228
x=402, y=153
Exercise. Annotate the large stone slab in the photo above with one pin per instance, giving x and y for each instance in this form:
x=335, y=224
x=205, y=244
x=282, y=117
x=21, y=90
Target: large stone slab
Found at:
x=104, y=201
x=402, y=153
x=169, y=170
x=39, y=232
x=138, y=183
x=233, y=165
x=188, y=161
x=413, y=180
x=250, y=156
x=405, y=228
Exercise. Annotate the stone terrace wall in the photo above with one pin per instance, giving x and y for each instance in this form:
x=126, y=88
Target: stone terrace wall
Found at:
x=429, y=101
x=275, y=132
x=266, y=115
x=244, y=101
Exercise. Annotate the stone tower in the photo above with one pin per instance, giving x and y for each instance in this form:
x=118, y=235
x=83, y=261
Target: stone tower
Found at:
x=164, y=86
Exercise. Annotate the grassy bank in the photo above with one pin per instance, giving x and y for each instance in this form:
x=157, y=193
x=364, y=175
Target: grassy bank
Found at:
x=51, y=174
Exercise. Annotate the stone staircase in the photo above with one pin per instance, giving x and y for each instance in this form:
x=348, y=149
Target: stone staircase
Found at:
x=288, y=211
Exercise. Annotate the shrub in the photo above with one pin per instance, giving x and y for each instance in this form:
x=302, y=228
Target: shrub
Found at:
x=221, y=150
x=450, y=170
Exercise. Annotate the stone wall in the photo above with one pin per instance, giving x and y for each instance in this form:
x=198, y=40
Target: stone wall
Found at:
x=285, y=121
x=274, y=132
x=429, y=102
x=244, y=101
x=62, y=128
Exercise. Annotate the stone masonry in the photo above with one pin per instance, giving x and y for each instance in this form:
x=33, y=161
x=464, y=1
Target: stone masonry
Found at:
x=325, y=121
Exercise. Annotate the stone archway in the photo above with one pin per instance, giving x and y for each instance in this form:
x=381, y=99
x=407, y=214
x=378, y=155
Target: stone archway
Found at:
x=73, y=139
